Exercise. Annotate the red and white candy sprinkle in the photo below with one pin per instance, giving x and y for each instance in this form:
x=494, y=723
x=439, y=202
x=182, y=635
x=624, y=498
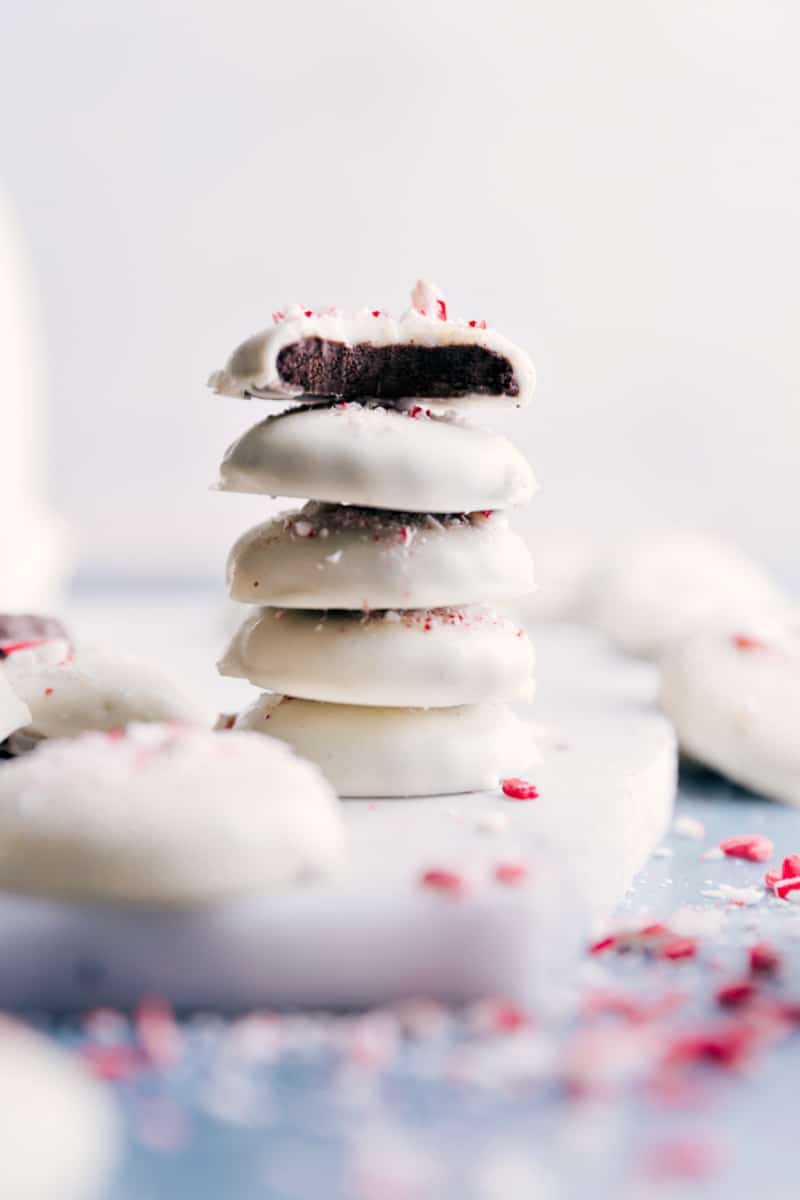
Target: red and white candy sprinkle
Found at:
x=753, y=847
x=519, y=789
x=441, y=879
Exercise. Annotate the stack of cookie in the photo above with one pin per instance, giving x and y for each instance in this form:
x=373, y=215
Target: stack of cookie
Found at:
x=375, y=632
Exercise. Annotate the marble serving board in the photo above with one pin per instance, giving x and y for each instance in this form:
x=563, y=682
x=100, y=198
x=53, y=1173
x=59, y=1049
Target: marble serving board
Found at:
x=373, y=934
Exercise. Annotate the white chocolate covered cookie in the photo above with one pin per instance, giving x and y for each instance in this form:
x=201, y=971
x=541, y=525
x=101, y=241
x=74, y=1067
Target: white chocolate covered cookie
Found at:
x=735, y=700
x=164, y=815
x=423, y=658
x=329, y=556
x=404, y=459
x=60, y=1136
x=425, y=354
x=92, y=689
x=392, y=752
x=662, y=586
x=13, y=713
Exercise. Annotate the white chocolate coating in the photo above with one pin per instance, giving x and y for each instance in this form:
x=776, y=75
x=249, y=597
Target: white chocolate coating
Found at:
x=60, y=1136
x=380, y=458
x=734, y=697
x=13, y=712
x=393, y=752
x=165, y=815
x=94, y=690
x=328, y=556
x=664, y=585
x=418, y=659
x=252, y=369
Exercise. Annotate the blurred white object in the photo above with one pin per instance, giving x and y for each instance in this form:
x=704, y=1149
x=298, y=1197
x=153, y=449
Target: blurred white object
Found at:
x=95, y=689
x=59, y=1136
x=165, y=815
x=374, y=934
x=734, y=697
x=33, y=545
x=563, y=562
x=13, y=713
x=663, y=585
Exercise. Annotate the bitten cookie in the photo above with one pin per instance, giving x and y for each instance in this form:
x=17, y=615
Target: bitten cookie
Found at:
x=426, y=354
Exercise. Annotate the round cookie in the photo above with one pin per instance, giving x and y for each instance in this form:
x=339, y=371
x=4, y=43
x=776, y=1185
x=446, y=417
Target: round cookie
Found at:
x=93, y=689
x=405, y=459
x=394, y=752
x=329, y=556
x=661, y=586
x=164, y=815
x=423, y=658
x=60, y=1136
x=734, y=698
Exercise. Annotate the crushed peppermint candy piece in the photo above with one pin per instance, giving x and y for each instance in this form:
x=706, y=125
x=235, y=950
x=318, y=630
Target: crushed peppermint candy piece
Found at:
x=114, y=1062
x=682, y=1158
x=743, y=641
x=753, y=847
x=765, y=959
x=675, y=948
x=428, y=300
x=786, y=881
x=788, y=889
x=511, y=872
x=606, y=943
x=741, y=897
x=729, y=1046
x=736, y=994
x=492, y=822
x=519, y=789
x=441, y=879
x=649, y=937
x=688, y=827
x=158, y=1032
x=608, y=1002
x=497, y=1015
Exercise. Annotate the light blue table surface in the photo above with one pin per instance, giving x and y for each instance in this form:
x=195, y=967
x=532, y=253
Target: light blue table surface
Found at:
x=354, y=1108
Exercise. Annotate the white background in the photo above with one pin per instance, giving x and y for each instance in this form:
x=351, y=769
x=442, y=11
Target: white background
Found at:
x=616, y=185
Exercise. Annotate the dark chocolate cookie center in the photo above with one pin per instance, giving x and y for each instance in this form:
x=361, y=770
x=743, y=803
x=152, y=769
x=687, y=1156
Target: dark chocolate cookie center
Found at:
x=325, y=368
